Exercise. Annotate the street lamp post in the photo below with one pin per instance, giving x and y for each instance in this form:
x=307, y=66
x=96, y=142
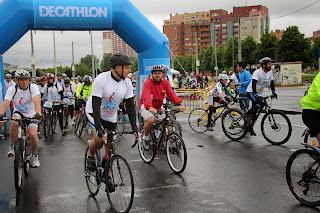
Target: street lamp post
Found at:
x=54, y=54
x=92, y=55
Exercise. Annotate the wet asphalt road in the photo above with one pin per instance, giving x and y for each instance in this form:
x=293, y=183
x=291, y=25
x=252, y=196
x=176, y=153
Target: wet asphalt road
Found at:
x=221, y=175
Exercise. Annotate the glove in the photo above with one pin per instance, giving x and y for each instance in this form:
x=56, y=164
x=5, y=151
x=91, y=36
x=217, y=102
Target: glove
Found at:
x=100, y=133
x=1, y=117
x=234, y=99
x=274, y=95
x=38, y=116
x=258, y=100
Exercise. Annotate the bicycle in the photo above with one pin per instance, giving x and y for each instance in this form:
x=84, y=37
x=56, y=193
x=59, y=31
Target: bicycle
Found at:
x=302, y=174
x=121, y=175
x=50, y=118
x=276, y=127
x=198, y=118
x=65, y=111
x=121, y=121
x=174, y=147
x=22, y=150
x=81, y=119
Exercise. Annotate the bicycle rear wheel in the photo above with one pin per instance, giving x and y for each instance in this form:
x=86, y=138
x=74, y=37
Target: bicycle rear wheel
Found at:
x=122, y=198
x=233, y=124
x=198, y=119
x=176, y=153
x=92, y=178
x=302, y=173
x=77, y=122
x=177, y=126
x=82, y=124
x=18, y=163
x=47, y=125
x=147, y=155
x=28, y=155
x=276, y=127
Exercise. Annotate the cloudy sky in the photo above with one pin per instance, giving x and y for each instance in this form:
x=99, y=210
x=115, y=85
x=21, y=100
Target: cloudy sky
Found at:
x=308, y=20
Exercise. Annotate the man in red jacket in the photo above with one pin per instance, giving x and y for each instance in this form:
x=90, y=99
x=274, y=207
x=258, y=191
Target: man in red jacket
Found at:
x=154, y=91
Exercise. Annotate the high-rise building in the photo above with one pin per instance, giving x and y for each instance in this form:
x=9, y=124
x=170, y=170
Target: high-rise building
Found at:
x=277, y=33
x=201, y=29
x=112, y=43
x=315, y=35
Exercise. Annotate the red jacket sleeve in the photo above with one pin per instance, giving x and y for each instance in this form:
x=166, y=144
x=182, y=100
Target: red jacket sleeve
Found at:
x=171, y=94
x=146, y=91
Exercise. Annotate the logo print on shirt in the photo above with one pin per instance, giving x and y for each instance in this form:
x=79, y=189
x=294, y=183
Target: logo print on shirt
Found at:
x=53, y=96
x=111, y=104
x=22, y=106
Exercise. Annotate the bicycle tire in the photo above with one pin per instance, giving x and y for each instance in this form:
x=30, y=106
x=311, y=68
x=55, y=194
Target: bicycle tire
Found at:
x=18, y=163
x=92, y=178
x=54, y=123
x=236, y=130
x=175, y=146
x=28, y=153
x=177, y=126
x=47, y=126
x=122, y=177
x=299, y=181
x=197, y=120
x=77, y=122
x=65, y=117
x=277, y=127
x=146, y=155
x=83, y=124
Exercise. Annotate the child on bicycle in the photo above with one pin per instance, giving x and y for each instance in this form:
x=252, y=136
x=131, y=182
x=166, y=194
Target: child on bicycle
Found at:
x=217, y=96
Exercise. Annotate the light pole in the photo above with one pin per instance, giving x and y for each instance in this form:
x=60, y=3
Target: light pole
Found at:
x=92, y=55
x=32, y=58
x=72, y=66
x=54, y=54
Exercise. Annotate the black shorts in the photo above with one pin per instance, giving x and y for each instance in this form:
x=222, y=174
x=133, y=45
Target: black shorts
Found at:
x=79, y=103
x=106, y=125
x=311, y=120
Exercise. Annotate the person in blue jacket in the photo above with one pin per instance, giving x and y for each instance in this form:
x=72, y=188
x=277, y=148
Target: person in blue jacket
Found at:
x=244, y=81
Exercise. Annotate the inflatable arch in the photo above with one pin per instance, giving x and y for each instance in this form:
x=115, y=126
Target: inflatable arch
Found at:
x=19, y=16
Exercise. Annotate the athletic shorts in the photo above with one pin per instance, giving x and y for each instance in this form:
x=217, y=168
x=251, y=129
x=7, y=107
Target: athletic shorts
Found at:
x=31, y=123
x=311, y=119
x=147, y=114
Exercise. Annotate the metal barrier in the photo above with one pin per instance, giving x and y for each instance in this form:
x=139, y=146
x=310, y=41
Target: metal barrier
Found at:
x=193, y=98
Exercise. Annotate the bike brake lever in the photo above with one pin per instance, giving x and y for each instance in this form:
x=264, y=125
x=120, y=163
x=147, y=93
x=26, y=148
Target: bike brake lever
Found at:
x=135, y=143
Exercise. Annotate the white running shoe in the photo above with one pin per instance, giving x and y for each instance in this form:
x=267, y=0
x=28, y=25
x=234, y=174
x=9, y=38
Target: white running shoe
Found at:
x=89, y=131
x=35, y=161
x=11, y=151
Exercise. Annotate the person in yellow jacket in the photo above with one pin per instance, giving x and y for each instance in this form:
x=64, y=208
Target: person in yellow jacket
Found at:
x=83, y=93
x=311, y=108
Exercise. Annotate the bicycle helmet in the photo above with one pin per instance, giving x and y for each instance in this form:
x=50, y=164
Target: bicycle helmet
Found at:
x=265, y=60
x=50, y=75
x=157, y=68
x=224, y=72
x=119, y=59
x=88, y=80
x=43, y=79
x=230, y=73
x=8, y=76
x=64, y=75
x=22, y=74
x=134, y=81
x=223, y=77
x=67, y=81
x=37, y=79
x=165, y=68
x=59, y=74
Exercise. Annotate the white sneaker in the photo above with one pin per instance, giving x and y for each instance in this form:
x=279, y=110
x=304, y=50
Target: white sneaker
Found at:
x=73, y=122
x=11, y=152
x=89, y=131
x=34, y=161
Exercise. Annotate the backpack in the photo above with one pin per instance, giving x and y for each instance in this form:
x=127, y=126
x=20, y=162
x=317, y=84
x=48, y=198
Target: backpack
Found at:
x=16, y=87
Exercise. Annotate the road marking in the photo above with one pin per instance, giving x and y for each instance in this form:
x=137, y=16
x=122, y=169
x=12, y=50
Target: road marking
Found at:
x=140, y=160
x=161, y=187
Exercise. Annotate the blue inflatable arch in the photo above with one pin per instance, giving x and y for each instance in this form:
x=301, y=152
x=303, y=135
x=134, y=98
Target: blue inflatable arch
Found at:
x=19, y=16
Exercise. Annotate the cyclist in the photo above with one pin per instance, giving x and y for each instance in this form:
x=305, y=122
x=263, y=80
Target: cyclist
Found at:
x=64, y=76
x=53, y=91
x=217, y=96
x=74, y=88
x=233, y=78
x=83, y=93
x=8, y=82
x=59, y=79
x=109, y=90
x=311, y=108
x=26, y=99
x=153, y=93
x=261, y=78
x=67, y=93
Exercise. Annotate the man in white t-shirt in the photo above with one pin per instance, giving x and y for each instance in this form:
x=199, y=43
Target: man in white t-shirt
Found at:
x=8, y=82
x=108, y=91
x=74, y=88
x=261, y=78
x=26, y=100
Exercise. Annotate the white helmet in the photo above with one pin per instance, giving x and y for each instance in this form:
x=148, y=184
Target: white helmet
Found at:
x=224, y=72
x=22, y=74
x=223, y=77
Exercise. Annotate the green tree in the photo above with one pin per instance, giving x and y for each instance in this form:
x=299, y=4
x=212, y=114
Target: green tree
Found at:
x=201, y=58
x=207, y=59
x=82, y=70
x=315, y=51
x=134, y=66
x=221, y=51
x=293, y=46
x=232, y=51
x=188, y=63
x=105, y=64
x=87, y=60
x=248, y=50
x=267, y=47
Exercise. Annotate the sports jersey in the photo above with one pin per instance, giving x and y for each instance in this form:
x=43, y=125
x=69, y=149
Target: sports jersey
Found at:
x=112, y=93
x=22, y=99
x=52, y=92
x=67, y=92
x=217, y=91
x=312, y=99
x=9, y=84
x=263, y=79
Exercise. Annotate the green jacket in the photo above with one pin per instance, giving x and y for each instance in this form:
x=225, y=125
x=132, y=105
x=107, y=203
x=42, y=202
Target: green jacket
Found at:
x=312, y=99
x=85, y=90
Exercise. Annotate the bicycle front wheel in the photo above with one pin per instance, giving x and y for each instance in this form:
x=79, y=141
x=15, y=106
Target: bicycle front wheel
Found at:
x=147, y=154
x=18, y=163
x=198, y=119
x=54, y=122
x=233, y=124
x=65, y=117
x=47, y=125
x=176, y=153
x=92, y=178
x=177, y=126
x=83, y=124
x=122, y=198
x=276, y=127
x=302, y=176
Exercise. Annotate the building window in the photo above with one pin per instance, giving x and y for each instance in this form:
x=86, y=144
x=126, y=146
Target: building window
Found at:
x=218, y=31
x=187, y=17
x=193, y=22
x=187, y=39
x=192, y=16
x=202, y=16
x=176, y=39
x=245, y=22
x=224, y=42
x=236, y=30
x=224, y=31
x=224, y=36
x=243, y=28
x=174, y=22
x=175, y=50
x=206, y=21
x=197, y=16
x=176, y=28
x=215, y=14
x=217, y=25
x=207, y=15
x=168, y=22
x=224, y=25
x=187, y=22
x=235, y=24
x=255, y=27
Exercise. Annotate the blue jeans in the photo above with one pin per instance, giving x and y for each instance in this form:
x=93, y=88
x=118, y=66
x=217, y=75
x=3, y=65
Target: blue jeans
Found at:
x=246, y=102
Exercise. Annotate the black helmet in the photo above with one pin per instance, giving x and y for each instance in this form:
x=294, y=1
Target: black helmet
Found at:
x=67, y=81
x=59, y=74
x=119, y=59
